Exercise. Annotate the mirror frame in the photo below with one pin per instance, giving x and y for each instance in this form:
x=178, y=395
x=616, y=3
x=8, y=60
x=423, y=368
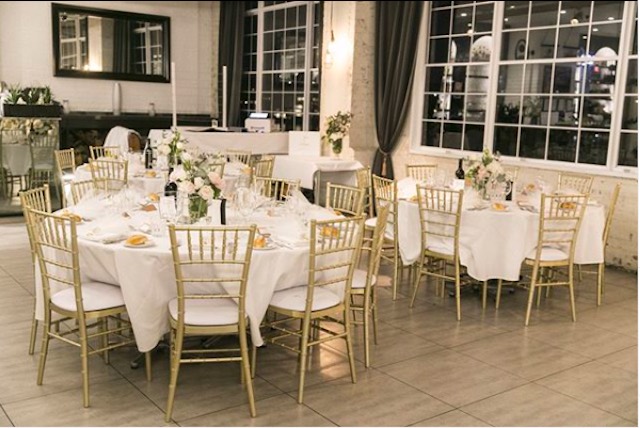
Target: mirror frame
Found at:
x=57, y=9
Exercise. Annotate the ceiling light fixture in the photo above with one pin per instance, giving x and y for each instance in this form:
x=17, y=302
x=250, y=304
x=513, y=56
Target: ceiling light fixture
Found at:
x=463, y=14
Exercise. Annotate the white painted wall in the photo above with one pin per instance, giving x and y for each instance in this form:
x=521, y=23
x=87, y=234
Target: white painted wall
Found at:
x=26, y=57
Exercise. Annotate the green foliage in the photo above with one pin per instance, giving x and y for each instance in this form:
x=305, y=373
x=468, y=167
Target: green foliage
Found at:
x=15, y=93
x=337, y=127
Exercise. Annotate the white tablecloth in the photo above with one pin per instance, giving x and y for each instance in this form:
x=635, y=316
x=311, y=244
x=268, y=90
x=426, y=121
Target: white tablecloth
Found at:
x=305, y=168
x=17, y=158
x=215, y=142
x=493, y=244
x=147, y=277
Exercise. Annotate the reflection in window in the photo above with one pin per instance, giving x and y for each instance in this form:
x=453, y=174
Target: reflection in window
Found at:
x=73, y=42
x=628, y=151
x=288, y=82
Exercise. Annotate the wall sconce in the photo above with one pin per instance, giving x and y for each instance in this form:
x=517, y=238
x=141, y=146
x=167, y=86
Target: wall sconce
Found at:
x=331, y=46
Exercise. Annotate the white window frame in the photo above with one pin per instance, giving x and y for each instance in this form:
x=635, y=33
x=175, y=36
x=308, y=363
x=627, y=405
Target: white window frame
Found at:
x=77, y=40
x=147, y=46
x=418, y=90
x=308, y=62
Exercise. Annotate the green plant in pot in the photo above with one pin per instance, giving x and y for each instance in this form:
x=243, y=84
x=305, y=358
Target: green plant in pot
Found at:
x=337, y=128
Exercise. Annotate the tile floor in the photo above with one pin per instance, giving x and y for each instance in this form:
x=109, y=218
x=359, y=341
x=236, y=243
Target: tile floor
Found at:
x=428, y=370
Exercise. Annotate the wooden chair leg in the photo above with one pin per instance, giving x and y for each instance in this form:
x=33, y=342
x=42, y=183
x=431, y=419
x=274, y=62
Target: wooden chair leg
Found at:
x=572, y=299
x=600, y=282
x=365, y=326
x=484, y=295
x=34, y=332
x=352, y=364
x=247, y=373
x=458, y=303
x=395, y=269
x=416, y=283
x=374, y=314
x=147, y=366
x=44, y=349
x=176, y=354
x=303, y=356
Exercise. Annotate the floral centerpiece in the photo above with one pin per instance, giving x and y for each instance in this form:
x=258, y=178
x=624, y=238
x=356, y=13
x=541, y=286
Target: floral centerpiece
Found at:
x=195, y=179
x=337, y=128
x=485, y=171
x=172, y=146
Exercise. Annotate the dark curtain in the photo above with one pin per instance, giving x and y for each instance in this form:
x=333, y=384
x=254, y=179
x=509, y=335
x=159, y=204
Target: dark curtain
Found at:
x=231, y=51
x=397, y=31
x=123, y=46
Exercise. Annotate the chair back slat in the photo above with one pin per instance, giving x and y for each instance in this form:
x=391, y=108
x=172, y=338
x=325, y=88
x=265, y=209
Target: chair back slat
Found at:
x=206, y=259
x=440, y=215
x=264, y=167
x=363, y=181
x=277, y=188
x=241, y=156
x=83, y=189
x=37, y=199
x=422, y=172
x=610, y=212
x=560, y=218
x=577, y=182
x=334, y=248
x=100, y=152
x=346, y=200
x=109, y=174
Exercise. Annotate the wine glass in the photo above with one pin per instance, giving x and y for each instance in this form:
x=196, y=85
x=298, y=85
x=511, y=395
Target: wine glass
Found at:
x=244, y=201
x=167, y=208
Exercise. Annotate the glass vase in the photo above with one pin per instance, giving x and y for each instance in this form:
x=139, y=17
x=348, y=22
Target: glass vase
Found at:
x=198, y=208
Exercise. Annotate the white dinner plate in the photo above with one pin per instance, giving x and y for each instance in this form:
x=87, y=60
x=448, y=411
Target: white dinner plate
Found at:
x=147, y=244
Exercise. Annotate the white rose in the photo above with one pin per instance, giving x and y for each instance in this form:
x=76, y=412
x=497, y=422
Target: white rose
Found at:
x=198, y=182
x=206, y=193
x=166, y=141
x=180, y=145
x=163, y=149
x=37, y=124
x=187, y=157
x=186, y=187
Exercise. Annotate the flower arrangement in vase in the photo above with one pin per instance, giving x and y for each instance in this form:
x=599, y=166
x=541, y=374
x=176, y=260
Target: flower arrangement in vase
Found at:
x=196, y=180
x=485, y=171
x=172, y=146
x=337, y=128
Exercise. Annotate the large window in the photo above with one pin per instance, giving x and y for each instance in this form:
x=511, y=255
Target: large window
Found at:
x=73, y=43
x=532, y=80
x=282, y=62
x=148, y=48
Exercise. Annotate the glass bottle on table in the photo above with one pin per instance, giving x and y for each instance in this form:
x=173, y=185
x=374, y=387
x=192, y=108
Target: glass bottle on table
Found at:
x=460, y=171
x=148, y=155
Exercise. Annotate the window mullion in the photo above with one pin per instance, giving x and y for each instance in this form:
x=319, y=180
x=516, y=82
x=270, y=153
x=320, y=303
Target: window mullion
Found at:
x=494, y=69
x=308, y=55
x=259, y=55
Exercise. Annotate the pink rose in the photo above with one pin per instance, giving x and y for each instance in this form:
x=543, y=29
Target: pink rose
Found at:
x=215, y=179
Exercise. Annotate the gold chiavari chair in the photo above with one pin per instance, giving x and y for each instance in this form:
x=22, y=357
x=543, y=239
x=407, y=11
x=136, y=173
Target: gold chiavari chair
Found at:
x=422, y=172
x=334, y=248
x=560, y=219
x=42, y=149
x=605, y=237
x=386, y=193
x=576, y=182
x=363, y=291
x=66, y=165
x=440, y=214
x=345, y=200
x=74, y=300
x=277, y=188
x=80, y=189
x=36, y=199
x=241, y=156
x=363, y=180
x=110, y=174
x=217, y=167
x=98, y=152
x=264, y=167
x=213, y=255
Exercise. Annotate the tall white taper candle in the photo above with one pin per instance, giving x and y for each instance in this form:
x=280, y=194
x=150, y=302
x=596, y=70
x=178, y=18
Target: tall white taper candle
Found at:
x=224, y=96
x=173, y=95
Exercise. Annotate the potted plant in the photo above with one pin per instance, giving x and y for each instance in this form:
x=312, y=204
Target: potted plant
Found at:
x=337, y=128
x=31, y=102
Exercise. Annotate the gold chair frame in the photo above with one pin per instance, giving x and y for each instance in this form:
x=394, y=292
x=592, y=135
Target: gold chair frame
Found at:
x=368, y=295
x=346, y=200
x=264, y=167
x=109, y=174
x=578, y=182
x=42, y=150
x=421, y=172
x=385, y=192
x=97, y=152
x=277, y=188
x=363, y=180
x=328, y=260
x=54, y=234
x=242, y=156
x=216, y=248
x=80, y=188
x=440, y=215
x=560, y=219
x=65, y=161
x=605, y=238
x=37, y=199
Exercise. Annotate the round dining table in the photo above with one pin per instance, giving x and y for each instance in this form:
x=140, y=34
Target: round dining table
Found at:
x=493, y=244
x=146, y=274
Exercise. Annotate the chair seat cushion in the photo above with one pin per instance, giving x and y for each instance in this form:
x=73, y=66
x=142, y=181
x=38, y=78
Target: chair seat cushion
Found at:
x=549, y=254
x=96, y=296
x=370, y=223
x=441, y=248
x=206, y=311
x=294, y=299
x=360, y=279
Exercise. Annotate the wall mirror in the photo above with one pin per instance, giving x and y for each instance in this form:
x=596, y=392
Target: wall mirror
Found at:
x=107, y=44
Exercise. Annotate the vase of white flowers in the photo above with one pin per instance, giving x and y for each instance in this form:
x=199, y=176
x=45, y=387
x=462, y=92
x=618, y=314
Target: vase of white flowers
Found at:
x=337, y=129
x=485, y=171
x=196, y=180
x=172, y=146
